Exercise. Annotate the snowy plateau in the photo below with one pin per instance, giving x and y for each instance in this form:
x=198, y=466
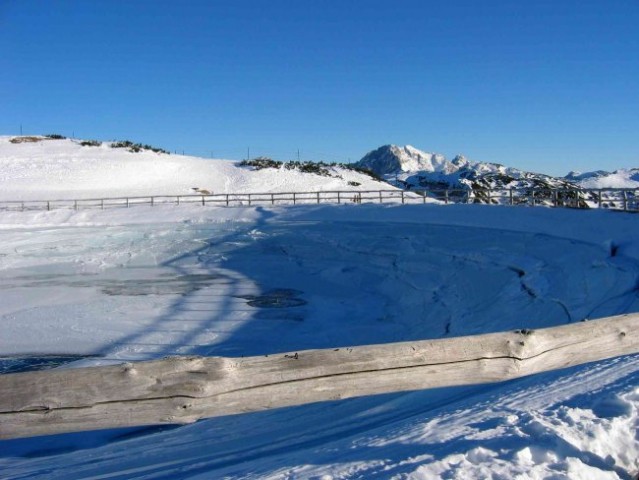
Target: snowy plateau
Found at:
x=110, y=286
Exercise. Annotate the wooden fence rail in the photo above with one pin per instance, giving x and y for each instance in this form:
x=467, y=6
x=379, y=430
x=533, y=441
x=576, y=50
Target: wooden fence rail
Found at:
x=612, y=198
x=185, y=389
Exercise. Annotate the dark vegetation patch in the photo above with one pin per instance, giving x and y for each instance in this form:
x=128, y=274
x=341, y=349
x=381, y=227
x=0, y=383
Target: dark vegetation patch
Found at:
x=318, y=168
x=137, y=147
x=55, y=136
x=27, y=139
x=90, y=143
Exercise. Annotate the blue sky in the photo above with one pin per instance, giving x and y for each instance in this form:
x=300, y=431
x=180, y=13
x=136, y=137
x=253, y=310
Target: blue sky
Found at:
x=543, y=85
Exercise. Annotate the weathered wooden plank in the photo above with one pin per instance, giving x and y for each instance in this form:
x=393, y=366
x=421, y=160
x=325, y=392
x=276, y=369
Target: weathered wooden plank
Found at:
x=185, y=389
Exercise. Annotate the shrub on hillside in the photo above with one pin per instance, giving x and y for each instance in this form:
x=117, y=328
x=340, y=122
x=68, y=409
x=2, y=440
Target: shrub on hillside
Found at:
x=55, y=136
x=260, y=162
x=365, y=171
x=28, y=139
x=137, y=147
x=90, y=143
x=318, y=168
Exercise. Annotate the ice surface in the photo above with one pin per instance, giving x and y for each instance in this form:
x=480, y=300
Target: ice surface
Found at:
x=148, y=282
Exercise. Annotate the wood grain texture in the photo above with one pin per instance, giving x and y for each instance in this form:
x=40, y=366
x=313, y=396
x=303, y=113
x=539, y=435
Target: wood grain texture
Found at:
x=185, y=389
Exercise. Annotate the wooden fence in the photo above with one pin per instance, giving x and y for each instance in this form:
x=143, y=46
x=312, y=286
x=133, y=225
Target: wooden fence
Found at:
x=617, y=199
x=185, y=389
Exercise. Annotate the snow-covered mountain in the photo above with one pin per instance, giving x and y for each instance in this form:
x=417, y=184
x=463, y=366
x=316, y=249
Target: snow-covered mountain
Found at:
x=411, y=168
x=622, y=178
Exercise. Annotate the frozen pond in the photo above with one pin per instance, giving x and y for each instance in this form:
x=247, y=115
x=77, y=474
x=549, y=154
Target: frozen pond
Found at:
x=145, y=291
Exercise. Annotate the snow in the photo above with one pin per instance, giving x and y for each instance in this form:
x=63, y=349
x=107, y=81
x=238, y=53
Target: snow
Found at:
x=393, y=159
x=143, y=283
x=413, y=168
x=71, y=171
x=622, y=178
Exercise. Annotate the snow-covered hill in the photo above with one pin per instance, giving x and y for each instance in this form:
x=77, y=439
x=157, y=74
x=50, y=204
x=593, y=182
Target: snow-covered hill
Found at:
x=408, y=167
x=622, y=178
x=46, y=169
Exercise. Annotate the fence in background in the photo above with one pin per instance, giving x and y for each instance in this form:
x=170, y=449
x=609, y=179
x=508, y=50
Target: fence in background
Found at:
x=625, y=199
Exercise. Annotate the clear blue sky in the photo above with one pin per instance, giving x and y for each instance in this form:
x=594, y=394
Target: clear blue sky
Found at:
x=543, y=85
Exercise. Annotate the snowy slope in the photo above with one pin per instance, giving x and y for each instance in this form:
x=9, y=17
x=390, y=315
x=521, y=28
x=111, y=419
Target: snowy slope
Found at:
x=622, y=178
x=142, y=283
x=63, y=169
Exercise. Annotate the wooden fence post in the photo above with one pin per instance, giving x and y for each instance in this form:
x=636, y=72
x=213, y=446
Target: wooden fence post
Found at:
x=185, y=389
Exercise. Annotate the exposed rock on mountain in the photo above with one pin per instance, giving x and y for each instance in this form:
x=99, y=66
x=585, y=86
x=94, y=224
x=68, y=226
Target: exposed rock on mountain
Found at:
x=410, y=168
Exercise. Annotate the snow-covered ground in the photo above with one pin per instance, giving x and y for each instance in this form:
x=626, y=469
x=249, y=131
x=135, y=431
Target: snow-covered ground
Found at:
x=64, y=169
x=142, y=283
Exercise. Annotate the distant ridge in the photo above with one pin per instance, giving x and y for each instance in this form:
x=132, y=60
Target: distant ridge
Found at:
x=622, y=178
x=411, y=168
